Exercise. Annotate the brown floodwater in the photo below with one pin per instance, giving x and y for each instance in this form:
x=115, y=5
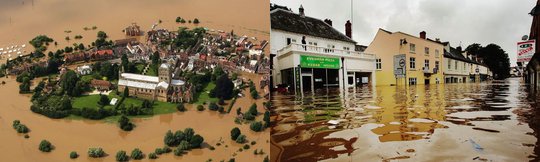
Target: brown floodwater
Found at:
x=22, y=20
x=78, y=135
x=452, y=122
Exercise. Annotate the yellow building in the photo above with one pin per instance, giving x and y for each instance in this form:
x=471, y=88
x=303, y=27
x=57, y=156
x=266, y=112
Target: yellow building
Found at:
x=421, y=59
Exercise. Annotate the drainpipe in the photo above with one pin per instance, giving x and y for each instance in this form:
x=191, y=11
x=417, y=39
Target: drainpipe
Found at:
x=344, y=74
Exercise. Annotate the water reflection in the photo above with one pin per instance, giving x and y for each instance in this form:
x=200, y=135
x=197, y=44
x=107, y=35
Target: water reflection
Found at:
x=303, y=123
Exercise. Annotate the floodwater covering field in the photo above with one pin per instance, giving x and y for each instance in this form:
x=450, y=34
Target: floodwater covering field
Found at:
x=80, y=134
x=22, y=20
x=452, y=122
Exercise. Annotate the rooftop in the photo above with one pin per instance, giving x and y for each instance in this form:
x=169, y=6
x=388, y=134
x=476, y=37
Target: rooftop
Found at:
x=139, y=77
x=288, y=21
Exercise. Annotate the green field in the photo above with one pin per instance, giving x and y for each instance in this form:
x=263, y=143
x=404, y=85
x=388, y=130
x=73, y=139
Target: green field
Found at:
x=203, y=96
x=91, y=101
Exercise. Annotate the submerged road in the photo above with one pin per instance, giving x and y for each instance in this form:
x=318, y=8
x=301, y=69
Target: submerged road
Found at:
x=453, y=122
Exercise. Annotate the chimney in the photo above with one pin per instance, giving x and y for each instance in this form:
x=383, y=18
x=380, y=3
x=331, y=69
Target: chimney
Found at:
x=423, y=34
x=348, y=29
x=328, y=21
x=301, y=11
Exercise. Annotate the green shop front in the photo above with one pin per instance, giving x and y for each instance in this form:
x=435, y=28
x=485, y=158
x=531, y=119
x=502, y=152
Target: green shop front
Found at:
x=312, y=73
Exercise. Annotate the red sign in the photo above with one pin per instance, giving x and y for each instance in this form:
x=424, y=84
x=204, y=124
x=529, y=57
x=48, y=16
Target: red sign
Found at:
x=525, y=50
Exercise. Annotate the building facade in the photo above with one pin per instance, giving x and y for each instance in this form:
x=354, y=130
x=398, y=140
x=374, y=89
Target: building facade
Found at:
x=419, y=62
x=309, y=54
x=460, y=68
x=161, y=88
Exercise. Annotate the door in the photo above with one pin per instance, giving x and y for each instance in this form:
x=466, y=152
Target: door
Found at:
x=426, y=81
x=307, y=83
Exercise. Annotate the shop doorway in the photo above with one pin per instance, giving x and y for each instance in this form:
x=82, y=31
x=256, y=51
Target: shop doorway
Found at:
x=307, y=83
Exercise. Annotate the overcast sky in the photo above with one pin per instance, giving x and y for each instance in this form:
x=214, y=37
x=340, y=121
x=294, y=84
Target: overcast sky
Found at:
x=502, y=22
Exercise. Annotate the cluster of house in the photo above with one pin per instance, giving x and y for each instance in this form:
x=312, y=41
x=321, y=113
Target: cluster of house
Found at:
x=92, y=54
x=309, y=54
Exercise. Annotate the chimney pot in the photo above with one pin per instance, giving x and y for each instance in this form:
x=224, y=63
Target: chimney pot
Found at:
x=328, y=21
x=348, y=29
x=301, y=11
x=423, y=34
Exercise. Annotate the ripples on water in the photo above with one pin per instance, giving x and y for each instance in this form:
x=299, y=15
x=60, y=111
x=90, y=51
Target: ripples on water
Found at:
x=401, y=113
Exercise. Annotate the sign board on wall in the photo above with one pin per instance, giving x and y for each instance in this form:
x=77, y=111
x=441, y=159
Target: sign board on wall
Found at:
x=400, y=65
x=319, y=62
x=525, y=50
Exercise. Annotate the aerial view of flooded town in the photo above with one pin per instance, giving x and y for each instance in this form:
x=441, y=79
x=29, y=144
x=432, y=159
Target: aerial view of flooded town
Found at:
x=404, y=80
x=269, y=81
x=124, y=80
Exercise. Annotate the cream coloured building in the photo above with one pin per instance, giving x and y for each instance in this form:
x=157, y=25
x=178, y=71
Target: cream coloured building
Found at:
x=422, y=62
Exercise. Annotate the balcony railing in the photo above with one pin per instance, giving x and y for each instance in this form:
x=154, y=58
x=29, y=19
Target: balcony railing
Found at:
x=322, y=50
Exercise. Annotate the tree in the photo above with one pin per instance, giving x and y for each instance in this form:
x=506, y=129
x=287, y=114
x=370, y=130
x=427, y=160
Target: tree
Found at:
x=497, y=60
x=235, y=132
x=45, y=146
x=188, y=133
x=266, y=159
x=137, y=154
x=196, y=21
x=224, y=87
x=169, y=139
x=196, y=141
x=241, y=139
x=184, y=145
x=266, y=118
x=68, y=83
x=213, y=106
x=152, y=156
x=125, y=124
x=73, y=155
x=125, y=63
x=253, y=109
x=126, y=92
x=256, y=126
x=103, y=100
x=122, y=156
x=255, y=94
x=96, y=152
x=180, y=107
x=238, y=111
x=200, y=107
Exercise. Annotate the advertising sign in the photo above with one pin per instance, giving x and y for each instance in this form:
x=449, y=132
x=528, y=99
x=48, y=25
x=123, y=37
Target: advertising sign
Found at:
x=319, y=62
x=400, y=65
x=525, y=50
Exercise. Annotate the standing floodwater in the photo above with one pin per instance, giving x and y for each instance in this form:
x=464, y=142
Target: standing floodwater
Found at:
x=452, y=122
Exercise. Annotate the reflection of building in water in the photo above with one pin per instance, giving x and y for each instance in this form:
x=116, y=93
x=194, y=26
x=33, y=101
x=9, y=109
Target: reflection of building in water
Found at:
x=309, y=54
x=162, y=88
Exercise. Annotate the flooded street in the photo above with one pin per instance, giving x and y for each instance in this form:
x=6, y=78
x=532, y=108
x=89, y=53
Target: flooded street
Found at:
x=452, y=122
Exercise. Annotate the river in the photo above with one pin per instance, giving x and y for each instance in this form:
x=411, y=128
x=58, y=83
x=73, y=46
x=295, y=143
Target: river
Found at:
x=452, y=122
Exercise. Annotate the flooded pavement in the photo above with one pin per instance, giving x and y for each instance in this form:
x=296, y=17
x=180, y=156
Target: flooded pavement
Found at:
x=452, y=122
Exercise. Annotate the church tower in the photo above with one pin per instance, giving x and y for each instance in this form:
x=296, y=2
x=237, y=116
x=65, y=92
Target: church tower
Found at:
x=164, y=73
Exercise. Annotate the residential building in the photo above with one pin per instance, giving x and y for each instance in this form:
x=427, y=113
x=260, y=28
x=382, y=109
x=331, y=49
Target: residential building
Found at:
x=309, y=54
x=420, y=58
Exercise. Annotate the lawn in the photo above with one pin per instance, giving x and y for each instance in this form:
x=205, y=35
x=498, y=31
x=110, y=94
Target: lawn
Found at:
x=151, y=71
x=203, y=96
x=140, y=68
x=91, y=101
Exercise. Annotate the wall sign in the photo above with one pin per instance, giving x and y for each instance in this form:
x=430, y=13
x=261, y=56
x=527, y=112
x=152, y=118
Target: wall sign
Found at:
x=319, y=62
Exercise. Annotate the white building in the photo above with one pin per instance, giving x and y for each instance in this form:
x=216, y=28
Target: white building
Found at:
x=84, y=70
x=309, y=54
